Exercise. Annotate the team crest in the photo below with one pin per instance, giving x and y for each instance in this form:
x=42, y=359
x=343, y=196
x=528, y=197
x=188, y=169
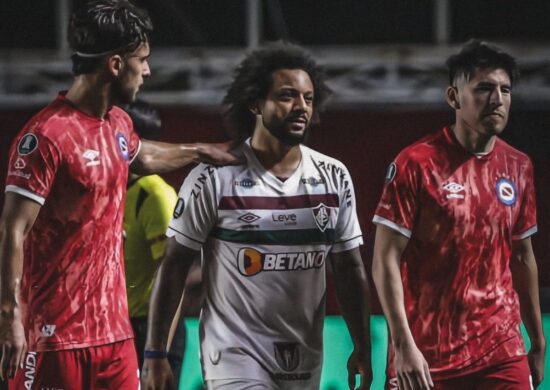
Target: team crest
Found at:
x=27, y=144
x=321, y=214
x=506, y=191
x=287, y=355
x=123, y=145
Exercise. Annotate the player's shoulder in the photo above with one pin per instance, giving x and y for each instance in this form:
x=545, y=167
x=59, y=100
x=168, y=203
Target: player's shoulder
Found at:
x=423, y=149
x=51, y=122
x=505, y=148
x=322, y=160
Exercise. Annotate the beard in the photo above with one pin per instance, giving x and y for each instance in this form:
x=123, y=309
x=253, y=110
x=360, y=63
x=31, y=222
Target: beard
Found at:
x=280, y=131
x=121, y=94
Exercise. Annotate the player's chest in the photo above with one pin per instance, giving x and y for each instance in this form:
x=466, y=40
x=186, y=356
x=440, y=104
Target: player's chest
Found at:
x=473, y=192
x=97, y=159
x=252, y=204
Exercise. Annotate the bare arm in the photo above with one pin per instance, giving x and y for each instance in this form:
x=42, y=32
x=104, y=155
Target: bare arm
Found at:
x=161, y=157
x=411, y=367
x=353, y=295
x=165, y=298
x=17, y=218
x=525, y=276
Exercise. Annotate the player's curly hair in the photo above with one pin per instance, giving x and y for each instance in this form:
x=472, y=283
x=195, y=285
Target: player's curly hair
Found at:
x=105, y=27
x=253, y=77
x=479, y=54
x=146, y=119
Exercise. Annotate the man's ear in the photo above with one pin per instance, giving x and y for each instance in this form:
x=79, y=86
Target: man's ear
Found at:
x=255, y=108
x=115, y=63
x=451, y=95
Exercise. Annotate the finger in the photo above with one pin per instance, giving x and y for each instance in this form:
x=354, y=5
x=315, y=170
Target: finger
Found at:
x=428, y=376
x=351, y=379
x=23, y=356
x=4, y=362
x=14, y=361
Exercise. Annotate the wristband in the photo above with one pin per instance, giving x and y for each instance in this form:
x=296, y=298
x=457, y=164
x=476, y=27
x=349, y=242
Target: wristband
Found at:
x=155, y=354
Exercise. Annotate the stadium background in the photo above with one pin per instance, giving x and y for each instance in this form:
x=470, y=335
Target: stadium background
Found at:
x=384, y=60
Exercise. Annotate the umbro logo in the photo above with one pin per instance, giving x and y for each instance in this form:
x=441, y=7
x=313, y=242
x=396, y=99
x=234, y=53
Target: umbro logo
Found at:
x=454, y=190
x=92, y=156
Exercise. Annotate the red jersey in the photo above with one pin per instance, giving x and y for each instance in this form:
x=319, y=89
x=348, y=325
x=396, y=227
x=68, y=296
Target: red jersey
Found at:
x=461, y=213
x=73, y=292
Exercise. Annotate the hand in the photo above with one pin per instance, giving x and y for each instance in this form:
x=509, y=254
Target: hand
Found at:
x=412, y=369
x=536, y=363
x=360, y=363
x=218, y=154
x=156, y=374
x=13, y=344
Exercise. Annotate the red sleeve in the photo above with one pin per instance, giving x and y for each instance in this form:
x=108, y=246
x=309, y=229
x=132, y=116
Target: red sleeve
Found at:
x=526, y=221
x=399, y=202
x=33, y=163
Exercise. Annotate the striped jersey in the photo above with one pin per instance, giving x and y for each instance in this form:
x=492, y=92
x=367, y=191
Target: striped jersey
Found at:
x=461, y=213
x=265, y=243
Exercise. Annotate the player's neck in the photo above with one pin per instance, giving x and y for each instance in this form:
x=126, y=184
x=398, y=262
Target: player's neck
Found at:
x=280, y=159
x=472, y=140
x=90, y=95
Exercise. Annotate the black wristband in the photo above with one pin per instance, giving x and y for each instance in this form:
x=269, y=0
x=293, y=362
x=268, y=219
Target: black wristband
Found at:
x=155, y=354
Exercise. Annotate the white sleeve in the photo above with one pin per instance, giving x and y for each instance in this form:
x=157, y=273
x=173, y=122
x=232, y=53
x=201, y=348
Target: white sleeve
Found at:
x=348, y=232
x=196, y=210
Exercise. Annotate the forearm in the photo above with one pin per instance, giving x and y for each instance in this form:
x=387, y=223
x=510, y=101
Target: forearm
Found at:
x=11, y=255
x=161, y=157
x=165, y=299
x=525, y=278
x=389, y=285
x=353, y=294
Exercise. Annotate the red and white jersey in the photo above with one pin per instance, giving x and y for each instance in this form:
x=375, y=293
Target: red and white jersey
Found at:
x=73, y=292
x=461, y=213
x=264, y=244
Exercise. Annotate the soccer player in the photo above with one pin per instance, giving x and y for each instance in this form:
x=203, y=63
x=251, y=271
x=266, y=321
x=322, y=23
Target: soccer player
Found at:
x=266, y=230
x=62, y=289
x=453, y=261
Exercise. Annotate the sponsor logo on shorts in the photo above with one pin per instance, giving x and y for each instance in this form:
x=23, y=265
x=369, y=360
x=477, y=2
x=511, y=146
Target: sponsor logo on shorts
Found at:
x=251, y=261
x=506, y=191
x=30, y=370
x=454, y=190
x=287, y=355
x=27, y=144
x=245, y=183
x=123, y=145
x=321, y=214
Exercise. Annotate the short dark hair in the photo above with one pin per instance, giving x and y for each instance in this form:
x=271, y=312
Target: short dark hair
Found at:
x=253, y=78
x=145, y=118
x=479, y=54
x=104, y=27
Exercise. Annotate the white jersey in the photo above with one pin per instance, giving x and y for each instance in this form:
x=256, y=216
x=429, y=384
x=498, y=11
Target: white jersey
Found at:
x=265, y=243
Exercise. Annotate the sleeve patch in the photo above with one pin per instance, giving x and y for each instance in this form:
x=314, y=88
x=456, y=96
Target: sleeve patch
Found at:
x=178, y=210
x=27, y=144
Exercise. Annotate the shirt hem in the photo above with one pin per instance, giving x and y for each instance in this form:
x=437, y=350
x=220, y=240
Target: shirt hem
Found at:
x=47, y=347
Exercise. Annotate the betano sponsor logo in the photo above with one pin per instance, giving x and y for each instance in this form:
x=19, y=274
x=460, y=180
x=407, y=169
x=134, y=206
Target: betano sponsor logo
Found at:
x=252, y=261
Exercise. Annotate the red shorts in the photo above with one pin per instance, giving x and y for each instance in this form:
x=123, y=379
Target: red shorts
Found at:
x=513, y=374
x=110, y=366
